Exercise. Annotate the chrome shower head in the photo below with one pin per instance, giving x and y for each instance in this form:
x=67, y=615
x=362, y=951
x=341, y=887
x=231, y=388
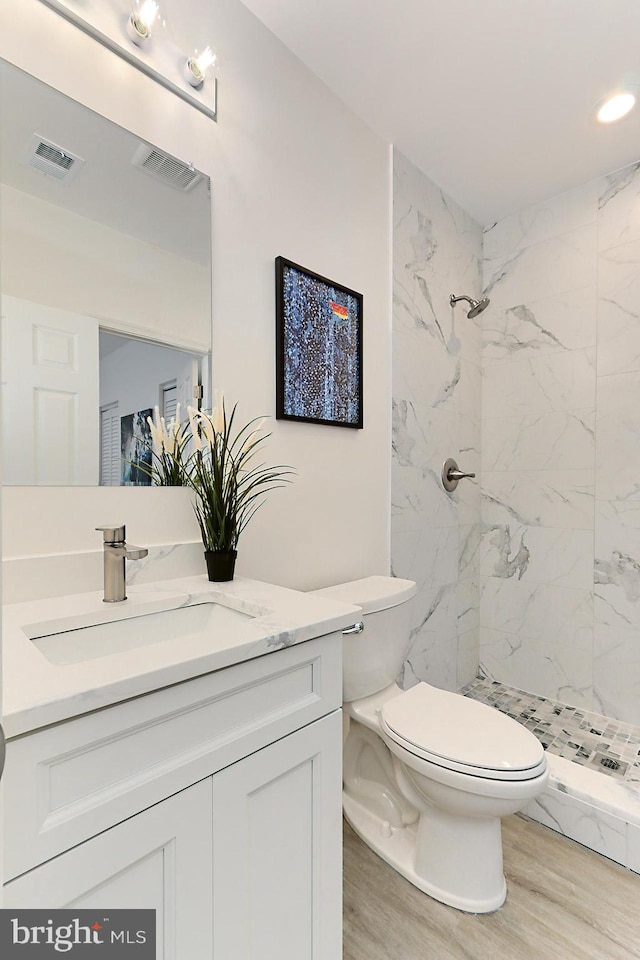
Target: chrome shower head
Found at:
x=477, y=306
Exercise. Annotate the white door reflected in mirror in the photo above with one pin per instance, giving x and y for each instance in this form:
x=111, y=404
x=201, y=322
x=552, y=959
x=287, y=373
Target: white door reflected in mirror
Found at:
x=49, y=395
x=62, y=425
x=105, y=244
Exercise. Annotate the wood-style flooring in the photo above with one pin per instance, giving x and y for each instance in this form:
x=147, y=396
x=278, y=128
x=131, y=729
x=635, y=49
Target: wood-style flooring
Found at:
x=564, y=902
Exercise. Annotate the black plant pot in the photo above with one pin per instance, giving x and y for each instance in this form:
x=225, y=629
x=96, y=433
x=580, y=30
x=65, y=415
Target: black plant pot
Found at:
x=220, y=564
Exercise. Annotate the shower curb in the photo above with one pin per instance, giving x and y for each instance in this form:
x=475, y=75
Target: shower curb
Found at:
x=588, y=807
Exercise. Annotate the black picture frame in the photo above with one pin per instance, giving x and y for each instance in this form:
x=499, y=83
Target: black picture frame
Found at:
x=318, y=348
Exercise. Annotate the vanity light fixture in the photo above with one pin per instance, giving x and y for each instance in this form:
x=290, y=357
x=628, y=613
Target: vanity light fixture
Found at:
x=140, y=22
x=195, y=68
x=160, y=57
x=616, y=107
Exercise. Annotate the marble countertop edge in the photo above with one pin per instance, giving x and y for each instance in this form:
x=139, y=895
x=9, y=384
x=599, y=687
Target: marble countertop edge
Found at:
x=38, y=693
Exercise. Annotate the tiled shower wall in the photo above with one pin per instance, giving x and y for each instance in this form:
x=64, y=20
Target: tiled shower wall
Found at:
x=436, y=414
x=560, y=547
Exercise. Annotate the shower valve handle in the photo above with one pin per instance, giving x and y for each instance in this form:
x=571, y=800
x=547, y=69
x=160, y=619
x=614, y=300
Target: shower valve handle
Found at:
x=459, y=475
x=451, y=474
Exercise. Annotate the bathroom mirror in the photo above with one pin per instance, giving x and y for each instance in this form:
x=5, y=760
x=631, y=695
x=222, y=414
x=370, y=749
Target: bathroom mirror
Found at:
x=105, y=246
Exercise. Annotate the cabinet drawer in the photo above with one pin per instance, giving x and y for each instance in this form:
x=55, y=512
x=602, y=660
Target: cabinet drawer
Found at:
x=70, y=781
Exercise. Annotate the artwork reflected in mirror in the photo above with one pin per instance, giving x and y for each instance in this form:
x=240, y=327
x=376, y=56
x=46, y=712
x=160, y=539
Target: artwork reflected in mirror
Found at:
x=141, y=380
x=106, y=305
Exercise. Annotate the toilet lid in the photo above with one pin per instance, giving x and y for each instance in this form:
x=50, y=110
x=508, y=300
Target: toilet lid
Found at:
x=457, y=732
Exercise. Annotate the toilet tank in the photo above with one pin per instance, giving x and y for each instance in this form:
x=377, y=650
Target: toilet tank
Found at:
x=373, y=659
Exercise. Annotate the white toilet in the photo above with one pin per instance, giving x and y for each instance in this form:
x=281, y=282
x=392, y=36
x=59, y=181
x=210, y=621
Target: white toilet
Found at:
x=427, y=773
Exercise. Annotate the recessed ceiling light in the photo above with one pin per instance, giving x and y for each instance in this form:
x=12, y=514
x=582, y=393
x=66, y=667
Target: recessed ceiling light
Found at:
x=616, y=107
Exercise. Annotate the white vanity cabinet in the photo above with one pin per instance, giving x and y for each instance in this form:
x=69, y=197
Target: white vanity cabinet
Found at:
x=216, y=801
x=153, y=860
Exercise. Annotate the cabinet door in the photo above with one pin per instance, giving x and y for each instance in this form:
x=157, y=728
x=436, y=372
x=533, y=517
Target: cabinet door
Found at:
x=277, y=849
x=159, y=859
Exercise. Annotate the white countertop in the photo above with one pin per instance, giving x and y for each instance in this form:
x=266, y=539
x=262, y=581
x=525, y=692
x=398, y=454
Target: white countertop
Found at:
x=37, y=692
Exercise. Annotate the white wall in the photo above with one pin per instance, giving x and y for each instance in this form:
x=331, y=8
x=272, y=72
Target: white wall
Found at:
x=560, y=608
x=436, y=415
x=294, y=173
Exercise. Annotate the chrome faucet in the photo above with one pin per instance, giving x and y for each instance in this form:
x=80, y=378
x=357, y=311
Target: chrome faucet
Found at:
x=116, y=551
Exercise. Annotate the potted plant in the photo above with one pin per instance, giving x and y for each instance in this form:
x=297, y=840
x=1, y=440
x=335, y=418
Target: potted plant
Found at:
x=229, y=486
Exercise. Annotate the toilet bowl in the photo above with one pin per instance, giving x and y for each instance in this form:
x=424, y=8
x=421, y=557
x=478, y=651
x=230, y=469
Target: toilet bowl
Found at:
x=427, y=773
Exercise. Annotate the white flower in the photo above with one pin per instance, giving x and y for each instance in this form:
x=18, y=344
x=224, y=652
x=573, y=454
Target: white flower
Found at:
x=217, y=414
x=208, y=429
x=156, y=430
x=253, y=437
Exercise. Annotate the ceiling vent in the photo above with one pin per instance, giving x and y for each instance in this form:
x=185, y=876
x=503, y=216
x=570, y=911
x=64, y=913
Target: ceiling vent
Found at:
x=164, y=167
x=51, y=159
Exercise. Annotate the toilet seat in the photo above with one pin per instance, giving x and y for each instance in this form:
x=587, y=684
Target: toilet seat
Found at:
x=462, y=735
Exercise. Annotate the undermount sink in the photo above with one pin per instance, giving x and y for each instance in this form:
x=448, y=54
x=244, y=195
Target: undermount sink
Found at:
x=68, y=644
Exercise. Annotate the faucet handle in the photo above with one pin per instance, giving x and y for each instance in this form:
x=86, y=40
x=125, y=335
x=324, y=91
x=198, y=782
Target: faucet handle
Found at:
x=114, y=532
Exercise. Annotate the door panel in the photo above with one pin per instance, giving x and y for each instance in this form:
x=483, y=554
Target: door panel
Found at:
x=277, y=849
x=49, y=395
x=159, y=859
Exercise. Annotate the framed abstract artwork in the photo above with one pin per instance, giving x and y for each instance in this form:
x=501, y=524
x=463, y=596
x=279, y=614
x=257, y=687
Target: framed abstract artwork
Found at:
x=135, y=449
x=318, y=348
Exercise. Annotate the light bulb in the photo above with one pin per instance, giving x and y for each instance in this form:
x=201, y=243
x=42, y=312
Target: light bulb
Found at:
x=148, y=12
x=616, y=107
x=195, y=68
x=140, y=22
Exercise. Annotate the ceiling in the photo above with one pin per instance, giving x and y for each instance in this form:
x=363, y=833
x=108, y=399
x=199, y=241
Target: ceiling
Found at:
x=108, y=188
x=493, y=99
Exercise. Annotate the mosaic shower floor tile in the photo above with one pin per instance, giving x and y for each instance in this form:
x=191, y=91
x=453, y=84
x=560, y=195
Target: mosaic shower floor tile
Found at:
x=608, y=746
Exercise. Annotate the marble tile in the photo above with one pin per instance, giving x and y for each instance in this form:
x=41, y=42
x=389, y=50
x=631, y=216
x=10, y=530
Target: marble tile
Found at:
x=467, y=657
x=547, y=268
x=563, y=382
x=436, y=415
x=423, y=371
x=633, y=847
x=619, y=309
x=468, y=607
x=552, y=667
x=580, y=821
x=470, y=391
x=543, y=498
x=453, y=233
x=618, y=437
x=541, y=612
x=437, y=246
x=617, y=609
x=537, y=554
x=469, y=329
x=617, y=563
x=619, y=207
x=539, y=441
x=541, y=221
x=430, y=557
x=468, y=551
x=468, y=492
x=433, y=652
x=422, y=440
x=616, y=666
x=561, y=429
x=543, y=326
x=433, y=659
x=596, y=785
